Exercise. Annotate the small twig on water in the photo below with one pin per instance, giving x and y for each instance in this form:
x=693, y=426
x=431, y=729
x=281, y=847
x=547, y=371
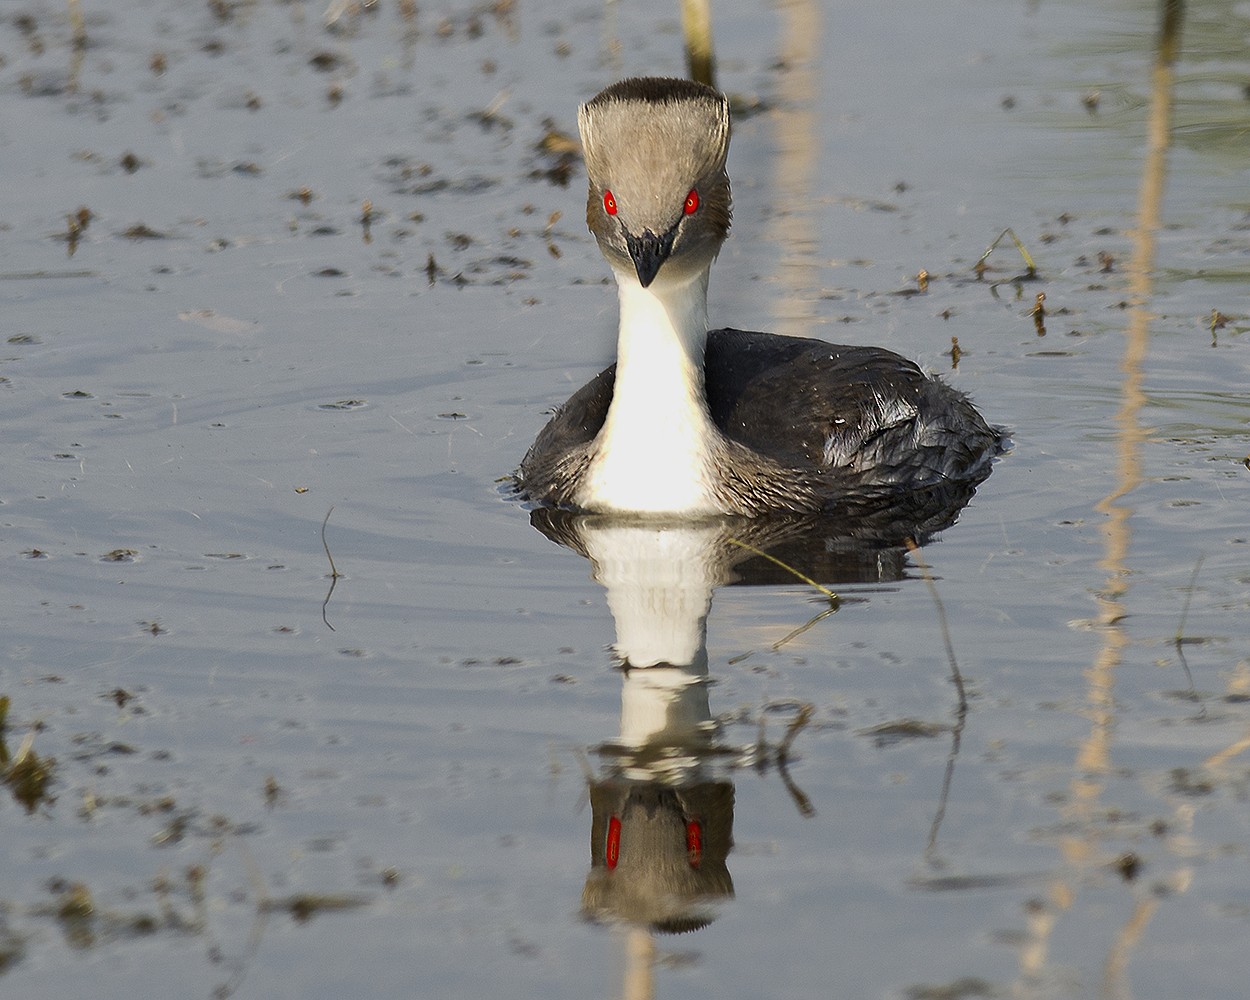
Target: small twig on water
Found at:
x=979, y=267
x=795, y=633
x=1189, y=595
x=1179, y=639
x=956, y=676
x=257, y=931
x=334, y=572
x=781, y=757
x=802, y=802
x=833, y=598
x=961, y=712
x=835, y=601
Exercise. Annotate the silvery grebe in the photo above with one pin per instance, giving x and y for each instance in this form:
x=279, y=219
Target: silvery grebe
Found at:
x=690, y=422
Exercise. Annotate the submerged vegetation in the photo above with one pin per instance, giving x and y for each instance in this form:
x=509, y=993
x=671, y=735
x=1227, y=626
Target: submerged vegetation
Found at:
x=27, y=775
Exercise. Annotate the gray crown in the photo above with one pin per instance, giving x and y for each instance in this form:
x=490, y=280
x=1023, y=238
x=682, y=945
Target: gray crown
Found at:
x=651, y=142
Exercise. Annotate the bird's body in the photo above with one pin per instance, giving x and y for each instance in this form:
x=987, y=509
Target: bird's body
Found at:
x=694, y=423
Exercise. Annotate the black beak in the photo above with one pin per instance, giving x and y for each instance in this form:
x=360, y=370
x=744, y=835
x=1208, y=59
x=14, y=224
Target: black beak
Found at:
x=649, y=252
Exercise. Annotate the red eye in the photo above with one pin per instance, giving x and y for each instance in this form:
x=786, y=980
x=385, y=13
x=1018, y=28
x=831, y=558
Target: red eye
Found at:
x=692, y=202
x=609, y=203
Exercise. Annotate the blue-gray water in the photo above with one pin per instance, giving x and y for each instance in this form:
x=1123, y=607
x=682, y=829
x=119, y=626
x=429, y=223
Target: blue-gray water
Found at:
x=245, y=802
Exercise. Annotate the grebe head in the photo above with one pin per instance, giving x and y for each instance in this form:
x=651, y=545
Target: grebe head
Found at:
x=659, y=202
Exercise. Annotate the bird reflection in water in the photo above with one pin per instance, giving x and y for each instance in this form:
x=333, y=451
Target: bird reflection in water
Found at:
x=662, y=798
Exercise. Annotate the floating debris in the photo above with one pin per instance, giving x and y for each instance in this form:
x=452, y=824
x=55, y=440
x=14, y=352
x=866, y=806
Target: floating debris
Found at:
x=273, y=791
x=27, y=775
x=306, y=905
x=1218, y=322
x=1038, y=313
x=889, y=733
x=325, y=62
x=981, y=267
x=141, y=232
x=1129, y=865
x=75, y=225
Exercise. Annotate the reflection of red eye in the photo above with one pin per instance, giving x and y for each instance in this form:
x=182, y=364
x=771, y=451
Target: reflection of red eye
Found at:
x=609, y=203
x=692, y=202
x=612, y=850
x=694, y=843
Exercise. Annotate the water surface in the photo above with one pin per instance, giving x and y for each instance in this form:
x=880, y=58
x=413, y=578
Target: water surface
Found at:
x=334, y=269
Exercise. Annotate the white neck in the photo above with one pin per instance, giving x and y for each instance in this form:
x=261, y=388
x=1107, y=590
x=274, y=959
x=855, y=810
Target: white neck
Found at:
x=653, y=454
